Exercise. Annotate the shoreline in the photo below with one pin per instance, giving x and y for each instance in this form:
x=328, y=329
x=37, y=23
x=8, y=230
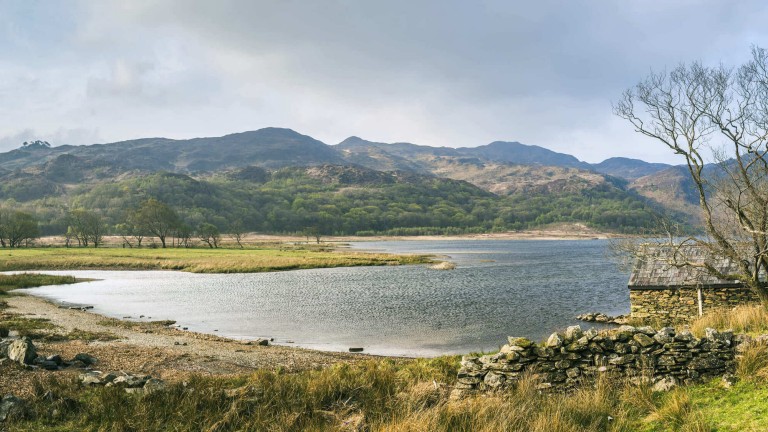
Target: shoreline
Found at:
x=161, y=351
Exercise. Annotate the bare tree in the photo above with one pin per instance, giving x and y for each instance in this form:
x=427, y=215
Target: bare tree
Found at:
x=717, y=114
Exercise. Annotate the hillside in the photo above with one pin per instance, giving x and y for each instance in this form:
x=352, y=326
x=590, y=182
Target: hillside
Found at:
x=277, y=180
x=629, y=169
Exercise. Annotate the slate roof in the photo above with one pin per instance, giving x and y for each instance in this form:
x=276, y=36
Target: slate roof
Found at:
x=655, y=269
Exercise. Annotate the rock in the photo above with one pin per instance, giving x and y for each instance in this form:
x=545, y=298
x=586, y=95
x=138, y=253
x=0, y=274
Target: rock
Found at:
x=573, y=332
x=11, y=407
x=643, y=340
x=91, y=379
x=646, y=330
x=573, y=372
x=4, y=348
x=663, y=338
x=353, y=350
x=494, y=380
x=709, y=361
x=520, y=342
x=665, y=384
x=49, y=365
x=130, y=381
x=265, y=342
x=77, y=364
x=87, y=359
x=22, y=351
x=729, y=380
x=153, y=385
x=554, y=341
x=4, y=332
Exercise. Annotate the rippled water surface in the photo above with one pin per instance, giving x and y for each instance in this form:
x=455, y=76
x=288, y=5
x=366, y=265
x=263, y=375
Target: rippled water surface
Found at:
x=499, y=288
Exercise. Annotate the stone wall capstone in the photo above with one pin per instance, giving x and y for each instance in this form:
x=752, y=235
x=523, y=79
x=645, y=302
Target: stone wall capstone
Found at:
x=569, y=358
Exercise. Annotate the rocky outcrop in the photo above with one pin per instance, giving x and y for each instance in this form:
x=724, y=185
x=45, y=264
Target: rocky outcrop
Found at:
x=567, y=359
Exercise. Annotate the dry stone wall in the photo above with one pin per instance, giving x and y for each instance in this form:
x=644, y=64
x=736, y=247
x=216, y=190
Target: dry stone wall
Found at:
x=572, y=357
x=681, y=304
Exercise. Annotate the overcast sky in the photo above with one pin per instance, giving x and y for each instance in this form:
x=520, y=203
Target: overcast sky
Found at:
x=439, y=73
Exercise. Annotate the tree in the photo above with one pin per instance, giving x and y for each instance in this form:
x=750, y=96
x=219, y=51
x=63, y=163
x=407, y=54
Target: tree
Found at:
x=237, y=232
x=17, y=228
x=157, y=218
x=86, y=226
x=717, y=113
x=209, y=234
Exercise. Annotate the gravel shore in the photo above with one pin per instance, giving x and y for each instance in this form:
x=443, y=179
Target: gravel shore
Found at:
x=160, y=351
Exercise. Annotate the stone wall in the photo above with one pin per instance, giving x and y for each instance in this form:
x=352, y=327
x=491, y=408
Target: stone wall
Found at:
x=682, y=304
x=569, y=358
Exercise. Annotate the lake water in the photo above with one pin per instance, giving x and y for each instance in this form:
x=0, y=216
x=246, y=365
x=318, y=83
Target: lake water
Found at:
x=499, y=288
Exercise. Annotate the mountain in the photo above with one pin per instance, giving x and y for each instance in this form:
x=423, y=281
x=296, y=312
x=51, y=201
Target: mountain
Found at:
x=278, y=180
x=627, y=168
x=672, y=188
x=269, y=147
x=521, y=154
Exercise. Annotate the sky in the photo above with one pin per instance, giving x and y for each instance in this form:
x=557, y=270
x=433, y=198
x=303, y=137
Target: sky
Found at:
x=433, y=72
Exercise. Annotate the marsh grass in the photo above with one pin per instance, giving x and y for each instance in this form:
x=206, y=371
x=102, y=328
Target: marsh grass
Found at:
x=194, y=260
x=31, y=280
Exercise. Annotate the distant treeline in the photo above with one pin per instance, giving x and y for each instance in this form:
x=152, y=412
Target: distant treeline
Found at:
x=292, y=201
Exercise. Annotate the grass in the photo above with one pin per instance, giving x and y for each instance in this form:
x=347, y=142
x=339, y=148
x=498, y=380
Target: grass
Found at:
x=387, y=395
x=194, y=260
x=31, y=280
x=750, y=319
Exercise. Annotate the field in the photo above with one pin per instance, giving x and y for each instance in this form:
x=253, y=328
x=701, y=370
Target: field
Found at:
x=252, y=260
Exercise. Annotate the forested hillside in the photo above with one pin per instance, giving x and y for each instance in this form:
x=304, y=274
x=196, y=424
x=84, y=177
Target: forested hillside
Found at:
x=279, y=181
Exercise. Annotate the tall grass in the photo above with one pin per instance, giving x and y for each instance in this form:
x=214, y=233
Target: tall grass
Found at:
x=379, y=395
x=741, y=319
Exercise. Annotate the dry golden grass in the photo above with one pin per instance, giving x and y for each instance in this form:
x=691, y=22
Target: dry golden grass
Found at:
x=193, y=260
x=751, y=319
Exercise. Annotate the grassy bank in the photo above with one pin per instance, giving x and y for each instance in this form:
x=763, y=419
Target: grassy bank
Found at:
x=193, y=260
x=384, y=395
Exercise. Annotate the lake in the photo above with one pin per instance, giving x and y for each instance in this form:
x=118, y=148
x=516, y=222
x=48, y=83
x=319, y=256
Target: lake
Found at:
x=500, y=288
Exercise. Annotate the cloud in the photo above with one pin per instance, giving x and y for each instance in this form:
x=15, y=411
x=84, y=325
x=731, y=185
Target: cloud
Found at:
x=433, y=72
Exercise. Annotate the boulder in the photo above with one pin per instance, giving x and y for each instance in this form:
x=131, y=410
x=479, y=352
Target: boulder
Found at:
x=11, y=406
x=87, y=359
x=22, y=351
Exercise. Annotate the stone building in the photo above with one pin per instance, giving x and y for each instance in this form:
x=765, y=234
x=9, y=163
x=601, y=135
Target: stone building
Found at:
x=661, y=287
